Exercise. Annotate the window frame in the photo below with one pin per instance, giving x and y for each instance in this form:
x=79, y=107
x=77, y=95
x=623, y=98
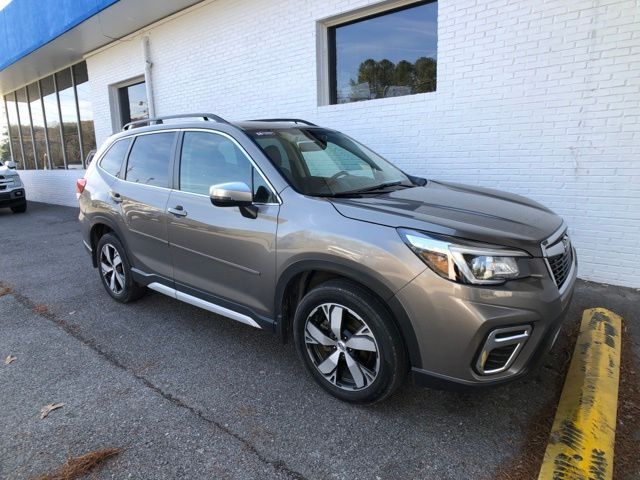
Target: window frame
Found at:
x=326, y=47
x=178, y=161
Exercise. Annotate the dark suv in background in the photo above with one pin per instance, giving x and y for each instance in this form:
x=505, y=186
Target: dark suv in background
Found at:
x=303, y=231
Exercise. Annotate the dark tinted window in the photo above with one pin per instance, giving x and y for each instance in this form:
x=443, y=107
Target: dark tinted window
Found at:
x=112, y=160
x=209, y=159
x=387, y=55
x=149, y=159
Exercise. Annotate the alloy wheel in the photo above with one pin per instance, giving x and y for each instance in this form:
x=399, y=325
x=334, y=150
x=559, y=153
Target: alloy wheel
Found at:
x=341, y=346
x=112, y=268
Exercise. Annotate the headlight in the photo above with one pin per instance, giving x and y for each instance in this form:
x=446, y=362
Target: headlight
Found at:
x=465, y=263
x=15, y=181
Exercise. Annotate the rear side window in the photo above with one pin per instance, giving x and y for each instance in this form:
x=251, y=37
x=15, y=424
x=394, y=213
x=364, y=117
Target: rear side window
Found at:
x=149, y=159
x=112, y=160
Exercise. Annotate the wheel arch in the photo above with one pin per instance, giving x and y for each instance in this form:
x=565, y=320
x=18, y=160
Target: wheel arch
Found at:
x=300, y=277
x=100, y=226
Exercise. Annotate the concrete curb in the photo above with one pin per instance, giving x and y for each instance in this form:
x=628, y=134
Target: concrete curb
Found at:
x=583, y=434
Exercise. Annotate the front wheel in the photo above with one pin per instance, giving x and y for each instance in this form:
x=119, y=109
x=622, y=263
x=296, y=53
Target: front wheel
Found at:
x=20, y=208
x=349, y=342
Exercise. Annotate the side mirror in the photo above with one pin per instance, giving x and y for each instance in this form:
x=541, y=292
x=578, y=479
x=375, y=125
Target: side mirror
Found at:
x=234, y=194
x=11, y=164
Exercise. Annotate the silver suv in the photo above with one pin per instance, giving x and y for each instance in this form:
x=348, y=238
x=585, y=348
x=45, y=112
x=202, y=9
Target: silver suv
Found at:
x=303, y=231
x=11, y=188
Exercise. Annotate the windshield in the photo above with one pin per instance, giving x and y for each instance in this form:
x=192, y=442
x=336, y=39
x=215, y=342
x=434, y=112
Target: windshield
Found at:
x=327, y=163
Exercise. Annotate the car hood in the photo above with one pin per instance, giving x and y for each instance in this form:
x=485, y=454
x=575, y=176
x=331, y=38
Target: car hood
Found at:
x=472, y=213
x=7, y=171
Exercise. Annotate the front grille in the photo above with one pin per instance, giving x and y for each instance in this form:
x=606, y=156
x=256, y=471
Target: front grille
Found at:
x=561, y=266
x=560, y=259
x=3, y=187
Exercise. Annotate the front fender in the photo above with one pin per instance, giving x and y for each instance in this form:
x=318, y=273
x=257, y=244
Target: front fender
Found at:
x=359, y=275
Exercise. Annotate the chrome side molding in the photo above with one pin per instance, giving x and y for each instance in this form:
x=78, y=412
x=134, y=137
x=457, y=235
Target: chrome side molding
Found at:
x=198, y=302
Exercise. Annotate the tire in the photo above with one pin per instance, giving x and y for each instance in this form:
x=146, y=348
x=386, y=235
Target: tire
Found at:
x=349, y=368
x=115, y=270
x=20, y=208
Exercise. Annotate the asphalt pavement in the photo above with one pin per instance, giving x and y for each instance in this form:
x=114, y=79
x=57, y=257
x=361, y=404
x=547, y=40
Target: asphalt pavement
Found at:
x=187, y=394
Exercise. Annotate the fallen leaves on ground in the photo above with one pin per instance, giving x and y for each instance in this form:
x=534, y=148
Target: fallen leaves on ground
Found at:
x=9, y=359
x=44, y=411
x=40, y=309
x=5, y=291
x=79, y=466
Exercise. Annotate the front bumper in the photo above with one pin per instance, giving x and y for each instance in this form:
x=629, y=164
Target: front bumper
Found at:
x=12, y=198
x=452, y=321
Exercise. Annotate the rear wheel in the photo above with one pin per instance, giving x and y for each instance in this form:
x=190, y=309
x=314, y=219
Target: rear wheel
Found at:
x=115, y=270
x=20, y=208
x=349, y=342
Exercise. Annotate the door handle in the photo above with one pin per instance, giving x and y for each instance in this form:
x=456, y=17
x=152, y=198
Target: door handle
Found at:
x=178, y=211
x=115, y=196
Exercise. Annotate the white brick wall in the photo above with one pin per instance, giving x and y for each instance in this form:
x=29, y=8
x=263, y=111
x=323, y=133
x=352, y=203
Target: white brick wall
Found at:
x=51, y=186
x=537, y=98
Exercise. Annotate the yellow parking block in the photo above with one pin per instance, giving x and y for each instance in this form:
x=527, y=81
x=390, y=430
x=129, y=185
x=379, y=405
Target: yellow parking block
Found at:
x=582, y=438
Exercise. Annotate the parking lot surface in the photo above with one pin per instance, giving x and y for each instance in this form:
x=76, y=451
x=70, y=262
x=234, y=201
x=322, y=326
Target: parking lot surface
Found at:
x=188, y=394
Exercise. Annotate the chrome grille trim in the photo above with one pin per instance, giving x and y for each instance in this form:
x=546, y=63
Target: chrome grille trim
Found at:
x=559, y=256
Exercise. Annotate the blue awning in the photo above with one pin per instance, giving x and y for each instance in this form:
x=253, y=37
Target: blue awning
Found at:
x=26, y=25
x=39, y=37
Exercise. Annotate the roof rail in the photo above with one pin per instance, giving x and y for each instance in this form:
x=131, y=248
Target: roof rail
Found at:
x=293, y=120
x=159, y=120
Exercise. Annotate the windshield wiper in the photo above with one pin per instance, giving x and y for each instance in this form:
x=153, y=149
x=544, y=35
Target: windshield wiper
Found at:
x=374, y=189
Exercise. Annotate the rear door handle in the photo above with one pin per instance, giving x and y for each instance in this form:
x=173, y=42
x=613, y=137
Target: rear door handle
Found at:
x=115, y=196
x=178, y=211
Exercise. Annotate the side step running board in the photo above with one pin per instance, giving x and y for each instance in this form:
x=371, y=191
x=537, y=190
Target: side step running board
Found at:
x=198, y=302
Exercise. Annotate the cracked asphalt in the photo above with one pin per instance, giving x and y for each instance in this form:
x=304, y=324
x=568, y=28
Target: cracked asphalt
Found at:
x=188, y=394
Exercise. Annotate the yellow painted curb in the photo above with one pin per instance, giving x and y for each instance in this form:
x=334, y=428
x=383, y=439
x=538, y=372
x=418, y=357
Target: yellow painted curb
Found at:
x=582, y=438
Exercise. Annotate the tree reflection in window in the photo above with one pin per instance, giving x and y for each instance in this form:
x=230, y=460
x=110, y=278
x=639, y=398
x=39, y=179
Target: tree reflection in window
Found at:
x=385, y=55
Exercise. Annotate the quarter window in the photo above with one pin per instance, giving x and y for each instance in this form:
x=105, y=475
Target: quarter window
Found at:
x=389, y=54
x=112, y=160
x=209, y=158
x=149, y=159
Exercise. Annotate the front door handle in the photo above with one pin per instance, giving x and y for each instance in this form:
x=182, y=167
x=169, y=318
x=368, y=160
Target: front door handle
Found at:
x=115, y=196
x=178, y=211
